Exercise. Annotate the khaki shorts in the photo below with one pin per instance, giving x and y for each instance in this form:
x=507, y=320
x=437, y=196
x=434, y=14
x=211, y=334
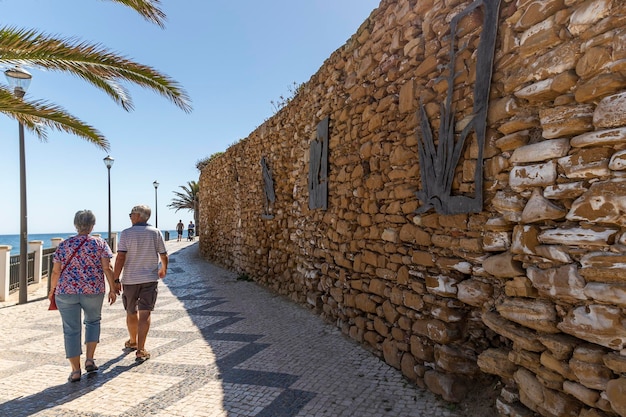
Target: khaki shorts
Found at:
x=139, y=296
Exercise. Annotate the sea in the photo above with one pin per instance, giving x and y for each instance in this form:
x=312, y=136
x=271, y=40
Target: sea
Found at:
x=46, y=238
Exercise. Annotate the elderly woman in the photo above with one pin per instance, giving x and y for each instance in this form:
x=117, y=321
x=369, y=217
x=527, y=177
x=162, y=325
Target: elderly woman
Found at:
x=81, y=263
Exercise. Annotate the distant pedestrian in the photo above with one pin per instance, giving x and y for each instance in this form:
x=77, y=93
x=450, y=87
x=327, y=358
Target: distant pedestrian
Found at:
x=190, y=230
x=81, y=263
x=179, y=228
x=139, y=251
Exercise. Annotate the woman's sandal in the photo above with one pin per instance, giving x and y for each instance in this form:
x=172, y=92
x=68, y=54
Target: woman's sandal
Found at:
x=142, y=355
x=129, y=345
x=73, y=378
x=90, y=365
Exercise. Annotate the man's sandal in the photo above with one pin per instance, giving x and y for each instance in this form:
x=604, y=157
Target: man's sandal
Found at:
x=74, y=376
x=129, y=345
x=90, y=365
x=142, y=355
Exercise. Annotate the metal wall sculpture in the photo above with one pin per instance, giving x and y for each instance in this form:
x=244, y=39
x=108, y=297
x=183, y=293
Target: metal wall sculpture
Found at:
x=438, y=162
x=318, y=168
x=268, y=189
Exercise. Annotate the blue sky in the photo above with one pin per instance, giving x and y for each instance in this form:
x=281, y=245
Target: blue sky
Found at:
x=233, y=58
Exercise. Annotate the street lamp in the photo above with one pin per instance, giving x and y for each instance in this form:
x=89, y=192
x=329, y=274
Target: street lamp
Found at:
x=19, y=80
x=156, y=207
x=108, y=161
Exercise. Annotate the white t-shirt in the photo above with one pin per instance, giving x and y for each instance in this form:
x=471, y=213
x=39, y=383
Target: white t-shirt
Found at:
x=143, y=244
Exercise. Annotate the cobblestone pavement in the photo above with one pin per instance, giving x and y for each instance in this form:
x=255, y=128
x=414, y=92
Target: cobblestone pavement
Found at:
x=221, y=347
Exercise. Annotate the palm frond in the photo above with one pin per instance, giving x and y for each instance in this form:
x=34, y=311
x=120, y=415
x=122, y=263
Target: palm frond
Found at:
x=39, y=115
x=148, y=9
x=92, y=62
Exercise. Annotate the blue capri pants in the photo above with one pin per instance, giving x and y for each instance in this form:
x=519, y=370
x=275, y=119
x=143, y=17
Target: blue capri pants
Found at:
x=70, y=306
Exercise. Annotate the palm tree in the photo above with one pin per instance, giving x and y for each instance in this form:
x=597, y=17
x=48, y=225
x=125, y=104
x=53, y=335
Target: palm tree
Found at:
x=188, y=199
x=93, y=63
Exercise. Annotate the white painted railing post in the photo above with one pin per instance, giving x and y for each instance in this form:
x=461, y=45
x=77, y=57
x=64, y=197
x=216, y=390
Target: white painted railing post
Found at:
x=5, y=271
x=37, y=247
x=56, y=241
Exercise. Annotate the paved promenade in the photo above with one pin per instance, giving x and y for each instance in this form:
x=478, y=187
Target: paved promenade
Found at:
x=221, y=347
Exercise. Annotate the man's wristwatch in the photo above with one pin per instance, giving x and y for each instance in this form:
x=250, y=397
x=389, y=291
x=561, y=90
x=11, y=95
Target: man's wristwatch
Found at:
x=117, y=281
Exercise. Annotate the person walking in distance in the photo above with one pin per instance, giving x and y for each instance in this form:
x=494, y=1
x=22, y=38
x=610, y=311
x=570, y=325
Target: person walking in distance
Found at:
x=180, y=227
x=139, y=251
x=190, y=230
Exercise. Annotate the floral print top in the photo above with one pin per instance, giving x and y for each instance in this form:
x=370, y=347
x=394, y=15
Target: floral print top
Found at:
x=84, y=274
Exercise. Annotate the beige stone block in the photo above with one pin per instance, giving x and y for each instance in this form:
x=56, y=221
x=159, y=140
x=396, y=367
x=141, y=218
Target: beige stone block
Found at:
x=542, y=36
x=539, y=209
x=525, y=239
x=563, y=283
x=423, y=258
x=591, y=375
x=540, y=91
x=522, y=338
x=520, y=287
x=496, y=241
x=616, y=394
x=611, y=111
x=540, y=151
x=513, y=141
x=561, y=346
x=600, y=86
x=578, y=236
x=582, y=393
x=503, y=266
x=519, y=123
x=544, y=400
x=437, y=330
x=412, y=300
x=537, y=314
x=561, y=121
x=615, y=362
x=587, y=14
x=565, y=190
x=606, y=267
x=559, y=366
x=599, y=324
x=447, y=386
x=456, y=361
x=441, y=285
x=474, y=292
x=496, y=362
x=594, y=61
x=608, y=137
x=531, y=176
x=536, y=11
x=422, y=350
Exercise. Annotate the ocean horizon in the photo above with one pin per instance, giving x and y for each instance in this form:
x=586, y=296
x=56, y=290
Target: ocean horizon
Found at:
x=46, y=238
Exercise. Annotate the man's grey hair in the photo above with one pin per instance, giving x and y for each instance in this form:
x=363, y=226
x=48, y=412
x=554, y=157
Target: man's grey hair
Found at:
x=143, y=210
x=84, y=220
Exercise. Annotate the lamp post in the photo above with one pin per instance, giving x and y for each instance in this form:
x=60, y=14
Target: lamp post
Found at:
x=19, y=80
x=156, y=206
x=108, y=162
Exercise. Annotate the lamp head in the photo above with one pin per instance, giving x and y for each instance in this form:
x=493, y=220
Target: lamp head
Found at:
x=18, y=79
x=156, y=184
x=108, y=161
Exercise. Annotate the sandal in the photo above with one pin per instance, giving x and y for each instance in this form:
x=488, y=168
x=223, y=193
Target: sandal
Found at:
x=73, y=378
x=129, y=345
x=142, y=355
x=90, y=365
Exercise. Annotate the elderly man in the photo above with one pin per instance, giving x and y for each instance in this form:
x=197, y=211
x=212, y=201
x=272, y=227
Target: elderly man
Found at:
x=139, y=251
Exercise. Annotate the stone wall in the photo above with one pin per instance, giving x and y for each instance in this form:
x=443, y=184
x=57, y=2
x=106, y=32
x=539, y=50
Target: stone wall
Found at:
x=532, y=288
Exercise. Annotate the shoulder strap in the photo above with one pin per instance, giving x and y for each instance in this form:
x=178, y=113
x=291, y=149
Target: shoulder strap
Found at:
x=73, y=254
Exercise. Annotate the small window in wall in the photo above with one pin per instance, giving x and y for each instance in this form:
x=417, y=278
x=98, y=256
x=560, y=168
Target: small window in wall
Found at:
x=318, y=168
